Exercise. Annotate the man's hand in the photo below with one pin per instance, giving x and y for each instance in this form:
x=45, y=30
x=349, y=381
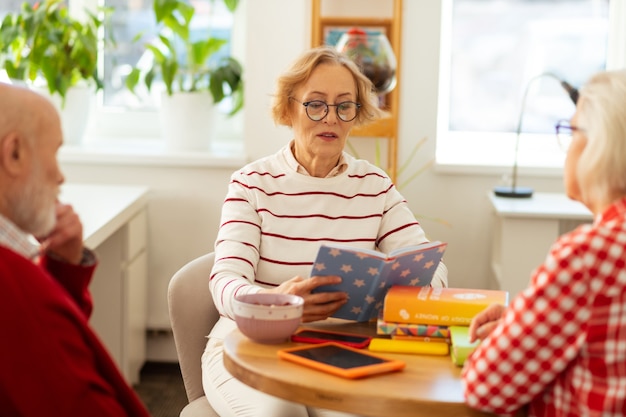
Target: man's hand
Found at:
x=484, y=322
x=66, y=239
x=317, y=306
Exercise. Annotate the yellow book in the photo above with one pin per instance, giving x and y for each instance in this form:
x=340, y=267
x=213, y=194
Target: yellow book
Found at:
x=408, y=346
x=438, y=306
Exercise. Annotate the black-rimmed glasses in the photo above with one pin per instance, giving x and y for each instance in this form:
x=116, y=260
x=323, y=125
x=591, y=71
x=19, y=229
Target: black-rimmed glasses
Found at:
x=564, y=132
x=316, y=110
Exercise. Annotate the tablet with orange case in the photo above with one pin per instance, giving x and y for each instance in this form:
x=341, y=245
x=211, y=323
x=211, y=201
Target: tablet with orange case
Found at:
x=340, y=360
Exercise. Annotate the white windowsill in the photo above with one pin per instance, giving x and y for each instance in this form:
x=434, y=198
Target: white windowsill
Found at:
x=493, y=154
x=151, y=152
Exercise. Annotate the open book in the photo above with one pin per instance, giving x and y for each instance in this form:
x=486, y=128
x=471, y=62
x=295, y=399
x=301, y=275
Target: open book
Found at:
x=368, y=274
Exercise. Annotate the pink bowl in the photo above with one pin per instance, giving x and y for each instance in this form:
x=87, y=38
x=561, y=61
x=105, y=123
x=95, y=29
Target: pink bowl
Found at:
x=268, y=318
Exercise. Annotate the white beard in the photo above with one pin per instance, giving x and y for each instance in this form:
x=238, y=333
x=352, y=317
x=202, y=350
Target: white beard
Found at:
x=35, y=207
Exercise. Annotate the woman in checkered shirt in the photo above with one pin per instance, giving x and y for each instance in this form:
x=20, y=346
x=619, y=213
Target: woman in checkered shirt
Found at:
x=559, y=349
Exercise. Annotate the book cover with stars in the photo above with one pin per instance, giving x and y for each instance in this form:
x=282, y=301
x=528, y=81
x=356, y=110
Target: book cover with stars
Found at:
x=368, y=274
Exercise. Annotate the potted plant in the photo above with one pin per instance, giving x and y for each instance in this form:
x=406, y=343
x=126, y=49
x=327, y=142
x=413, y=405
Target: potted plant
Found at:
x=43, y=46
x=194, y=77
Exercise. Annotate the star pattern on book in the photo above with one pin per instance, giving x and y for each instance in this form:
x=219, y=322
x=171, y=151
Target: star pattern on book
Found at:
x=359, y=283
x=373, y=271
x=319, y=266
x=346, y=268
x=418, y=257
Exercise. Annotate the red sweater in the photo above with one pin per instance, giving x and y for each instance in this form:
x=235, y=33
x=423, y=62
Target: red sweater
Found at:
x=52, y=363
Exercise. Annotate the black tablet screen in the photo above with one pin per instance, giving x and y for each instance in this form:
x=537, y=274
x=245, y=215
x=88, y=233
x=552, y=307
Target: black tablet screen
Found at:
x=338, y=357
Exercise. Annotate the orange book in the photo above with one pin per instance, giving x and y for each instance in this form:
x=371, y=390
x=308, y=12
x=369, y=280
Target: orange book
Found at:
x=438, y=306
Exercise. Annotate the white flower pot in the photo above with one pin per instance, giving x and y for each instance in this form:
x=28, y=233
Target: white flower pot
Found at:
x=188, y=121
x=74, y=114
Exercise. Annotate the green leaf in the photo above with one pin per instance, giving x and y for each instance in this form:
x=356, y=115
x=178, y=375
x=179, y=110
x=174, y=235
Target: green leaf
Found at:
x=132, y=79
x=187, y=11
x=159, y=56
x=169, y=45
x=231, y=5
x=168, y=70
x=137, y=37
x=163, y=8
x=14, y=72
x=201, y=51
x=149, y=78
x=217, y=86
x=179, y=28
x=237, y=99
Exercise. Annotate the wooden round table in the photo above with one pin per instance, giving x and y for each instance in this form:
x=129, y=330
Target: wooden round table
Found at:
x=428, y=386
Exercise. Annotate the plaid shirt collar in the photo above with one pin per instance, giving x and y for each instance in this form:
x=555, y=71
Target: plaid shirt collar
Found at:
x=16, y=240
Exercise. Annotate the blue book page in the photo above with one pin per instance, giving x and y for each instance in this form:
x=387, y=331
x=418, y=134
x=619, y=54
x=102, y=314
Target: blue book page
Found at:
x=415, y=267
x=359, y=270
x=367, y=275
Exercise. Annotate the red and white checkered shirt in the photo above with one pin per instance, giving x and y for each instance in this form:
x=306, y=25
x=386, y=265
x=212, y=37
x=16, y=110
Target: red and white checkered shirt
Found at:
x=561, y=345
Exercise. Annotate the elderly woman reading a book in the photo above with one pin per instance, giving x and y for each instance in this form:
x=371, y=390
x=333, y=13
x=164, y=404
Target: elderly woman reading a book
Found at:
x=281, y=208
x=559, y=349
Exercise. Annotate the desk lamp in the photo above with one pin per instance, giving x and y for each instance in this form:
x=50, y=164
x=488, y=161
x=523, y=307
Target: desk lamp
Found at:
x=525, y=192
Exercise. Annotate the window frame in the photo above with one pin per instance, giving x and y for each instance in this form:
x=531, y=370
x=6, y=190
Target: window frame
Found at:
x=119, y=128
x=538, y=154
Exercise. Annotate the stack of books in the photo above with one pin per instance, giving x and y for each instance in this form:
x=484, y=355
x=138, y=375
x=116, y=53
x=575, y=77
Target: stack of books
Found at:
x=435, y=315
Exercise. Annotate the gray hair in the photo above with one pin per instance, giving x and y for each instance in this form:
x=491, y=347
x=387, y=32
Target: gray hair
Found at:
x=601, y=170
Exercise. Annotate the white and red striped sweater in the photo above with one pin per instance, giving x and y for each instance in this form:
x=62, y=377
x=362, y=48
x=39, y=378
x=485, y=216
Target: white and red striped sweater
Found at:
x=275, y=218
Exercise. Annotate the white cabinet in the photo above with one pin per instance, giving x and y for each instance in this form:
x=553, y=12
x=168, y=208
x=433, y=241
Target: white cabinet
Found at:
x=524, y=229
x=135, y=293
x=115, y=228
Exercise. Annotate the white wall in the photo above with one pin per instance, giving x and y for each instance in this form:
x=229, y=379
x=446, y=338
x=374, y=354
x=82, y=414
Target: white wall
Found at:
x=185, y=202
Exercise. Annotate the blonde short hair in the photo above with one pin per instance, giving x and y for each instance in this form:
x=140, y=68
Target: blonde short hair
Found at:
x=301, y=70
x=601, y=169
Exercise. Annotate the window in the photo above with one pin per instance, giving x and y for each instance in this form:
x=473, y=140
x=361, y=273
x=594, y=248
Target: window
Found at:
x=136, y=18
x=122, y=113
x=118, y=113
x=493, y=53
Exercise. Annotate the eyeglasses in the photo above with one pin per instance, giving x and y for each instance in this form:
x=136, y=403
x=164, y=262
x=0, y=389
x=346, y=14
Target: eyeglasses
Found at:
x=564, y=133
x=317, y=109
